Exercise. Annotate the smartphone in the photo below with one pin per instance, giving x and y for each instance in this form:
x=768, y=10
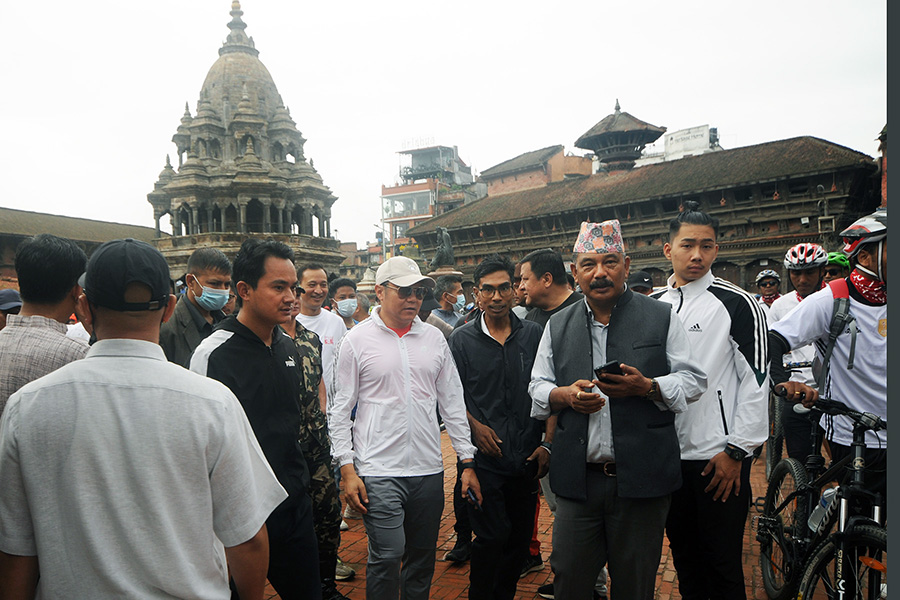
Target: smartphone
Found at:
x=610, y=367
x=472, y=497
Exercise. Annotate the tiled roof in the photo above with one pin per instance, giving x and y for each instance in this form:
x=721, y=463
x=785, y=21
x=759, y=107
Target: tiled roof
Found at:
x=26, y=223
x=529, y=160
x=715, y=170
x=616, y=122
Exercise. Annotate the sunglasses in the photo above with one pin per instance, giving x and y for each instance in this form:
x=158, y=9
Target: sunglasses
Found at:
x=833, y=272
x=768, y=284
x=405, y=292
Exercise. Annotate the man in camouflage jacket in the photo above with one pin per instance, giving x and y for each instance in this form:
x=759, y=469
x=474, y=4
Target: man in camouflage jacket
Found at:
x=316, y=446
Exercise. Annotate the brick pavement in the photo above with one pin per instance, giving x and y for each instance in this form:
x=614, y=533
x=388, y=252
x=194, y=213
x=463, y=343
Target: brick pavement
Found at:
x=451, y=581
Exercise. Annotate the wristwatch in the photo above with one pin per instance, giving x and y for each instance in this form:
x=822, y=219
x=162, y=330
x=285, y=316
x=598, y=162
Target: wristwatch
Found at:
x=735, y=453
x=653, y=393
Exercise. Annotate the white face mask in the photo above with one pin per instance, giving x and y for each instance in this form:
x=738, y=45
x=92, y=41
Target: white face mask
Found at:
x=346, y=307
x=460, y=303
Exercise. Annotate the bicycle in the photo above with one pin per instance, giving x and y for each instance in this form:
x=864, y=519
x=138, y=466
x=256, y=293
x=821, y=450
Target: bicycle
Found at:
x=775, y=442
x=850, y=562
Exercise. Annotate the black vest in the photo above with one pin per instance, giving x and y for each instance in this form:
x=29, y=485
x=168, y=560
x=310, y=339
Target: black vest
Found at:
x=647, y=452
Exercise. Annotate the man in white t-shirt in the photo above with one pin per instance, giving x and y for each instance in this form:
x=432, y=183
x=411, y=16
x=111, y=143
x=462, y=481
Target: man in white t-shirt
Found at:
x=328, y=326
x=864, y=388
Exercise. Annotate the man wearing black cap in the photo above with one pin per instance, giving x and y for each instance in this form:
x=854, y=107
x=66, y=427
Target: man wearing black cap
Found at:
x=10, y=303
x=130, y=463
x=641, y=282
x=254, y=357
x=34, y=342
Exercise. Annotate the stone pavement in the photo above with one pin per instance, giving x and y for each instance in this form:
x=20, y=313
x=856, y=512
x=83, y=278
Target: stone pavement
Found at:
x=452, y=581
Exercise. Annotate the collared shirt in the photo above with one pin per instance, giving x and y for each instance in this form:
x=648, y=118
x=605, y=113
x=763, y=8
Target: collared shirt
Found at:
x=450, y=317
x=31, y=347
x=398, y=383
x=685, y=380
x=203, y=326
x=115, y=469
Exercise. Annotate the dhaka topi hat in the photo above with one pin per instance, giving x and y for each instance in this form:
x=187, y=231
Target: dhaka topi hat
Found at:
x=603, y=238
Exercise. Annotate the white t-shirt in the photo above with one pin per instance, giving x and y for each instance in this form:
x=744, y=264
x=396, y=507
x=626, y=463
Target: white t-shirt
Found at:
x=126, y=474
x=865, y=387
x=781, y=307
x=330, y=328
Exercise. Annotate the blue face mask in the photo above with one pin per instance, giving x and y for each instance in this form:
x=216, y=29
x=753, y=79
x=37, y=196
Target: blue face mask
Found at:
x=460, y=303
x=212, y=299
x=347, y=307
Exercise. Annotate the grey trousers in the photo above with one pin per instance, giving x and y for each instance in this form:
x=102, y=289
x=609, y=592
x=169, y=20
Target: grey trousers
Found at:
x=626, y=532
x=402, y=523
x=602, y=584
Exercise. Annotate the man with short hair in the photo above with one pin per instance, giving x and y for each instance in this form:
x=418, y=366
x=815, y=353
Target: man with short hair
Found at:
x=544, y=285
x=253, y=356
x=10, y=303
x=838, y=267
x=641, y=282
x=718, y=433
x=34, y=342
x=448, y=291
x=123, y=475
x=615, y=455
x=805, y=264
x=398, y=371
x=342, y=293
x=327, y=325
x=519, y=308
x=494, y=354
x=208, y=284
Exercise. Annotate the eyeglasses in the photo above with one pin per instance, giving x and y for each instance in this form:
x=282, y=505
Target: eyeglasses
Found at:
x=488, y=291
x=833, y=272
x=768, y=284
x=405, y=292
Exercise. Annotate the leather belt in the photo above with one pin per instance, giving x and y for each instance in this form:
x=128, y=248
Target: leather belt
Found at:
x=607, y=468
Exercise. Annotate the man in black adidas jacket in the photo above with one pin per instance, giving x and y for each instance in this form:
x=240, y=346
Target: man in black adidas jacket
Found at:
x=259, y=363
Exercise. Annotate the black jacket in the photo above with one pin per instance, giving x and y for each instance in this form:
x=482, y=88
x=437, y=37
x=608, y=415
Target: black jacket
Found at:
x=268, y=383
x=495, y=381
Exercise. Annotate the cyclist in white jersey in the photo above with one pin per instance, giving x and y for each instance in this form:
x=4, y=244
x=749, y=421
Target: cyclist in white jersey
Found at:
x=804, y=263
x=864, y=387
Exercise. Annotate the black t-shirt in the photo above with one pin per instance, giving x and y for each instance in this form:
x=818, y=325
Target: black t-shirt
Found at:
x=541, y=316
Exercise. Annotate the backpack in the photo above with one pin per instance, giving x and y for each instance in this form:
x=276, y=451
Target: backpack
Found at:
x=841, y=319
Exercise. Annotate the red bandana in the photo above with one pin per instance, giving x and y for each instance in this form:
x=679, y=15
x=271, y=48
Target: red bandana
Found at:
x=872, y=290
x=770, y=299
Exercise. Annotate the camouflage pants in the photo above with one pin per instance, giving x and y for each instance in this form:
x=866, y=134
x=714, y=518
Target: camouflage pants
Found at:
x=326, y=506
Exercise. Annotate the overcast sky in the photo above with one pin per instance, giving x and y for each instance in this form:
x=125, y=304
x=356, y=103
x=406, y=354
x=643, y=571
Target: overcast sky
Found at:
x=93, y=91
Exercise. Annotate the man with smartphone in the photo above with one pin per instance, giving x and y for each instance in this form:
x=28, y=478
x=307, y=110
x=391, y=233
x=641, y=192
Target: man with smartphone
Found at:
x=615, y=456
x=494, y=354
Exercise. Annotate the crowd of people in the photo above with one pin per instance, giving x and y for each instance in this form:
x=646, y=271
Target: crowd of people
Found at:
x=199, y=444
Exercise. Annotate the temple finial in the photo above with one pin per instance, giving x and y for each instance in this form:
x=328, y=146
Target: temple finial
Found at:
x=617, y=105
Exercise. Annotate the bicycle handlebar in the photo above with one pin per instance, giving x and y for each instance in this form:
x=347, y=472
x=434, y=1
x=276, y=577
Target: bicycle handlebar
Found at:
x=835, y=407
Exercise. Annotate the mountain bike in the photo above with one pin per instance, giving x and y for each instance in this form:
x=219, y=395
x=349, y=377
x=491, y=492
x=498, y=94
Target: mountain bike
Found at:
x=775, y=442
x=844, y=555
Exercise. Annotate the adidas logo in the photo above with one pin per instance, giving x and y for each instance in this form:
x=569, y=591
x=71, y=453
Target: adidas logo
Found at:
x=696, y=328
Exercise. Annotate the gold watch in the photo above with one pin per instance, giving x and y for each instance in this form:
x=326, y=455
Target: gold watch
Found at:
x=654, y=391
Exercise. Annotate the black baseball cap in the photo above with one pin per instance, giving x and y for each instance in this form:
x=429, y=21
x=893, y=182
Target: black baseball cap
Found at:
x=640, y=279
x=115, y=265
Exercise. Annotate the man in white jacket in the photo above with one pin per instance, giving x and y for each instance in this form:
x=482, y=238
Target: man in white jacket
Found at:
x=398, y=370
x=717, y=433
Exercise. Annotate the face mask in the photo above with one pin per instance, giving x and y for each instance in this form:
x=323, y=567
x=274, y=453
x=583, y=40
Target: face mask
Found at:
x=346, y=307
x=460, y=303
x=211, y=298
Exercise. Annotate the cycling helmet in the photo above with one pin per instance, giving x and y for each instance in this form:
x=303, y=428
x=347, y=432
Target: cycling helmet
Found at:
x=871, y=228
x=837, y=258
x=768, y=273
x=805, y=256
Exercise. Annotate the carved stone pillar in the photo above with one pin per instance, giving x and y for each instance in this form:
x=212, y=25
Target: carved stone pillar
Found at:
x=280, y=220
x=242, y=218
x=328, y=227
x=195, y=220
x=209, y=219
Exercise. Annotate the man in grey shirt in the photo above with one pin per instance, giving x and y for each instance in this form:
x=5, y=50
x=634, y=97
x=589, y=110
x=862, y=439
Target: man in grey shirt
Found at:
x=34, y=342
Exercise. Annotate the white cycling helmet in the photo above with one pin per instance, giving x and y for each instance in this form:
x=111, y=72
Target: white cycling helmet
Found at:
x=867, y=230
x=805, y=256
x=768, y=273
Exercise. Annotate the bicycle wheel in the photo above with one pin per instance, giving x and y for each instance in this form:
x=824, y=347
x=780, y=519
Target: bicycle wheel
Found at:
x=863, y=571
x=780, y=530
x=775, y=441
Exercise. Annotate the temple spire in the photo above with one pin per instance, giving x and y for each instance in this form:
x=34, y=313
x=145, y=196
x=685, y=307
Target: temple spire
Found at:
x=618, y=109
x=237, y=40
